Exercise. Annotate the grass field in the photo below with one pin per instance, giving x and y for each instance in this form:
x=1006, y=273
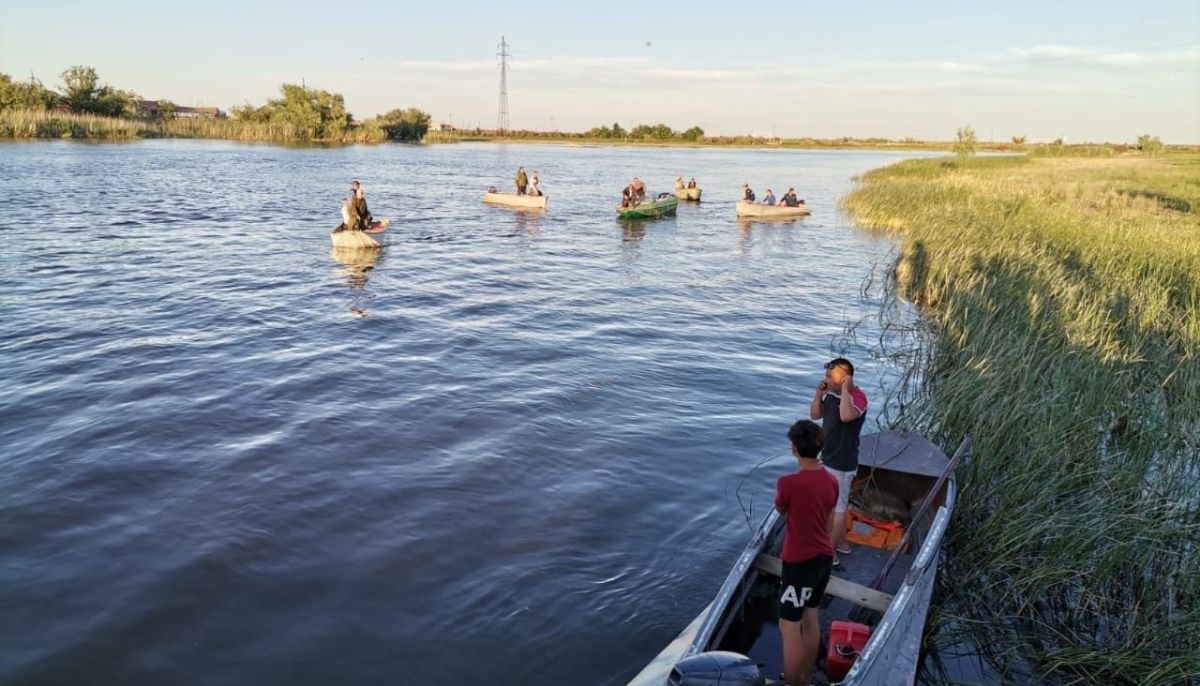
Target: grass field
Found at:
x=1061, y=331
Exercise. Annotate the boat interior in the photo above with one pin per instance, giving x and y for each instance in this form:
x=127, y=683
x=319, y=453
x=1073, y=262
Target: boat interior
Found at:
x=886, y=489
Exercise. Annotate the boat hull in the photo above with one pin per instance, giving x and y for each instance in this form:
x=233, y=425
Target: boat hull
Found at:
x=523, y=202
x=692, y=194
x=374, y=237
x=649, y=209
x=759, y=210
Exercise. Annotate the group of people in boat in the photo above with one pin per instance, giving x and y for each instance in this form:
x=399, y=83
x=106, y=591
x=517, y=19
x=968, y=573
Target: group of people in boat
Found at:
x=527, y=186
x=355, y=215
x=679, y=185
x=813, y=500
x=789, y=199
x=634, y=193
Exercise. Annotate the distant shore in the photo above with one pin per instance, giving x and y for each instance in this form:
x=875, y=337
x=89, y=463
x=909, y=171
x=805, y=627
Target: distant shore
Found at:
x=56, y=125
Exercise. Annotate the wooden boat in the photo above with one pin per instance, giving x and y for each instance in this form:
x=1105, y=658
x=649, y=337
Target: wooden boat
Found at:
x=746, y=208
x=525, y=202
x=649, y=209
x=688, y=193
x=373, y=237
x=900, y=468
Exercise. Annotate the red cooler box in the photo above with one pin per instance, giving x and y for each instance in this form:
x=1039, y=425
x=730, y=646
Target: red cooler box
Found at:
x=846, y=641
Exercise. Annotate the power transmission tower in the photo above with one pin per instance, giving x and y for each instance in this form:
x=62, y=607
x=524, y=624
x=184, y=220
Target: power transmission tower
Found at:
x=502, y=120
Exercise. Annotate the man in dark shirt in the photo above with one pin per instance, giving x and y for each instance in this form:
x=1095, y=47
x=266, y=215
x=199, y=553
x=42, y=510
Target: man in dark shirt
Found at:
x=747, y=193
x=806, y=498
x=842, y=407
x=359, y=211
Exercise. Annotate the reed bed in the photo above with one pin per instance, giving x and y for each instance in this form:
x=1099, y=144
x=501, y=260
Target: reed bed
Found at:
x=1061, y=330
x=54, y=124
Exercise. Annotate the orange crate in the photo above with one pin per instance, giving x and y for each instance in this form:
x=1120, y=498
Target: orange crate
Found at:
x=863, y=530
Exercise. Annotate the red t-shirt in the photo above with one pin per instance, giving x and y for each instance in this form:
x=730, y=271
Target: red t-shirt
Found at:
x=806, y=498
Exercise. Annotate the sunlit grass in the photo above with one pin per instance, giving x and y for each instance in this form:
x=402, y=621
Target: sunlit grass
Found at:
x=1062, y=306
x=53, y=124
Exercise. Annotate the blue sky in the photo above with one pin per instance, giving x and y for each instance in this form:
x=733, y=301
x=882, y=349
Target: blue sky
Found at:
x=1083, y=70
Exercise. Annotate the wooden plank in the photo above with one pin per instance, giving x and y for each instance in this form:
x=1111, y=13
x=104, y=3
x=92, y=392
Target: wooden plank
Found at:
x=838, y=588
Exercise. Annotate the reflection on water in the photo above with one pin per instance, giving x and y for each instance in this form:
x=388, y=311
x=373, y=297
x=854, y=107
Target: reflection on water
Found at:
x=358, y=263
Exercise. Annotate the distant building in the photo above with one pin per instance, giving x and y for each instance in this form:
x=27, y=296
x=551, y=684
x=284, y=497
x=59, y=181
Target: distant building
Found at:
x=151, y=109
x=448, y=128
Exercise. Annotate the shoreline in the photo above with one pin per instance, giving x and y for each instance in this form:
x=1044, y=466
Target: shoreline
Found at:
x=1046, y=285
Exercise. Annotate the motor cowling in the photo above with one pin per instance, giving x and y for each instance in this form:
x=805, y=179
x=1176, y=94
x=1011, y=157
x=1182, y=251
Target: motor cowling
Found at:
x=717, y=668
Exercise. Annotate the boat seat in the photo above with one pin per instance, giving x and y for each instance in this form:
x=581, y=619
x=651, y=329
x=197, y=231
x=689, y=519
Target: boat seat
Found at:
x=858, y=594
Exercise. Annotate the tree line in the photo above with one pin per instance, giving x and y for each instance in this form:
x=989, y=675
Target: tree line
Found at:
x=657, y=132
x=311, y=113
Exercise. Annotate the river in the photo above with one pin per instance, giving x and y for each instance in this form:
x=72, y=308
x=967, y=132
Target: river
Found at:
x=504, y=452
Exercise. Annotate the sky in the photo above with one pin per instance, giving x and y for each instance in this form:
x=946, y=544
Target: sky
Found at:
x=1084, y=71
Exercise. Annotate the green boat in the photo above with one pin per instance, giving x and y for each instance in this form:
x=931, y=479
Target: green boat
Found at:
x=649, y=209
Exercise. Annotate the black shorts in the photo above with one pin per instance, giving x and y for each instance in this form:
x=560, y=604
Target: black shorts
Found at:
x=803, y=586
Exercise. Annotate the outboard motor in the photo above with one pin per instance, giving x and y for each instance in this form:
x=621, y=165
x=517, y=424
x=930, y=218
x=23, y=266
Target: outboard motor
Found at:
x=717, y=668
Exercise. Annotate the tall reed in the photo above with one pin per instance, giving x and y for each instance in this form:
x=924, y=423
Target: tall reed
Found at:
x=1061, y=303
x=16, y=123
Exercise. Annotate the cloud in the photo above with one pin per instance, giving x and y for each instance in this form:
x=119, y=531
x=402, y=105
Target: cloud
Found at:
x=1091, y=57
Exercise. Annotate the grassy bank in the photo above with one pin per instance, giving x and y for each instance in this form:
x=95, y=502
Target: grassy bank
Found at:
x=53, y=124
x=1061, y=330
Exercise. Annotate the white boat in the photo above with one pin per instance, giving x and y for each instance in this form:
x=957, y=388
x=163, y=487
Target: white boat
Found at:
x=890, y=591
x=745, y=208
x=688, y=193
x=374, y=237
x=525, y=202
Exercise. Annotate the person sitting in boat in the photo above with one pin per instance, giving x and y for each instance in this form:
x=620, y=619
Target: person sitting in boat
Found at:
x=806, y=499
x=352, y=220
x=789, y=199
x=534, y=185
x=627, y=195
x=359, y=200
x=679, y=183
x=769, y=198
x=747, y=193
x=522, y=181
x=692, y=184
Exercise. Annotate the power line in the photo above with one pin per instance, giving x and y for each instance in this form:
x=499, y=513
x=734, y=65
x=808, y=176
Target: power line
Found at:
x=502, y=120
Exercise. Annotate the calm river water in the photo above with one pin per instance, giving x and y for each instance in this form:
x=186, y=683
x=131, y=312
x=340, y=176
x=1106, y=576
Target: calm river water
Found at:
x=504, y=452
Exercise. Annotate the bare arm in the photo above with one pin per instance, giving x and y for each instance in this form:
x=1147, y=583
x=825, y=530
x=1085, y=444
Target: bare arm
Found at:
x=814, y=410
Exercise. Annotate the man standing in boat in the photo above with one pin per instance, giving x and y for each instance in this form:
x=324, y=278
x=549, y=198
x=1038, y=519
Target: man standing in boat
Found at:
x=842, y=408
x=358, y=202
x=806, y=498
x=522, y=181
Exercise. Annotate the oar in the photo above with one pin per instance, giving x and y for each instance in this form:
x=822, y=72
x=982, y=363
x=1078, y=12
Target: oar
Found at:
x=963, y=449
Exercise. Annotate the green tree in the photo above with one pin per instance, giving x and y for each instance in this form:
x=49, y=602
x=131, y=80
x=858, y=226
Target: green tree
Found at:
x=965, y=142
x=80, y=87
x=694, y=134
x=1150, y=145
x=600, y=132
x=1018, y=140
x=83, y=92
x=25, y=94
x=405, y=124
x=657, y=132
x=618, y=132
x=167, y=109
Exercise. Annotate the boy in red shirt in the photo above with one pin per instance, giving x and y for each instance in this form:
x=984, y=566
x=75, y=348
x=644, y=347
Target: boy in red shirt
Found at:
x=807, y=498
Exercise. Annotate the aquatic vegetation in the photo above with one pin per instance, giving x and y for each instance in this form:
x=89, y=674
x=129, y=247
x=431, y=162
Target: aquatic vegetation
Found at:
x=1061, y=331
x=41, y=123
